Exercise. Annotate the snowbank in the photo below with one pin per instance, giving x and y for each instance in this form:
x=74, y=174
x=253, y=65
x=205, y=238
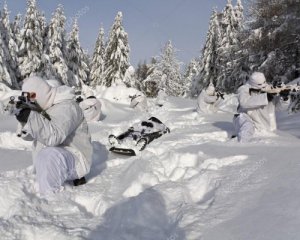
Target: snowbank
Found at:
x=120, y=94
x=194, y=183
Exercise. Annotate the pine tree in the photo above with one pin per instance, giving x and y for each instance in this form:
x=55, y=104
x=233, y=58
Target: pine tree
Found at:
x=297, y=57
x=10, y=47
x=43, y=24
x=31, y=49
x=4, y=67
x=239, y=13
x=116, y=53
x=56, y=46
x=164, y=73
x=78, y=68
x=223, y=57
x=170, y=66
x=272, y=38
x=192, y=71
x=141, y=73
x=97, y=65
x=240, y=55
x=227, y=47
x=153, y=83
x=8, y=35
x=209, y=67
x=87, y=62
x=16, y=29
x=235, y=56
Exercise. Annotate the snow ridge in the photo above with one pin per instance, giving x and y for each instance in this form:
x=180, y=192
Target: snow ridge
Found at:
x=182, y=186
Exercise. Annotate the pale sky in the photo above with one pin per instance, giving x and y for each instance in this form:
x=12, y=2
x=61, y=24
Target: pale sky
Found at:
x=149, y=23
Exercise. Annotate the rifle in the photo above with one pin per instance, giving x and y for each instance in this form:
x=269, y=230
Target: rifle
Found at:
x=134, y=97
x=23, y=102
x=279, y=88
x=290, y=87
x=220, y=94
x=79, y=99
x=287, y=90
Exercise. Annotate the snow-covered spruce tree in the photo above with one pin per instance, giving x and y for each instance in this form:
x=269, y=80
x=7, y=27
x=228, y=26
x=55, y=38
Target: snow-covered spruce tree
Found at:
x=242, y=34
x=142, y=72
x=116, y=54
x=10, y=47
x=292, y=41
x=170, y=66
x=16, y=29
x=46, y=65
x=164, y=73
x=43, y=23
x=153, y=83
x=55, y=47
x=4, y=67
x=227, y=49
x=7, y=35
x=239, y=13
x=87, y=62
x=78, y=68
x=237, y=67
x=273, y=31
x=97, y=64
x=192, y=71
x=31, y=49
x=208, y=72
x=297, y=56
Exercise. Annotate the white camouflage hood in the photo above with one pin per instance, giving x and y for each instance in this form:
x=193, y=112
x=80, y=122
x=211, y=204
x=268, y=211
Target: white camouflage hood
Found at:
x=45, y=94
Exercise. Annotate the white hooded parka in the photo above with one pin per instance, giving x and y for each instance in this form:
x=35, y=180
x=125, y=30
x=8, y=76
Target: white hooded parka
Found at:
x=91, y=108
x=206, y=103
x=260, y=111
x=67, y=128
x=139, y=102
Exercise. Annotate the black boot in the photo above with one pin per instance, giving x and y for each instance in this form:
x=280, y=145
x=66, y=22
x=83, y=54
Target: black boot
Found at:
x=80, y=181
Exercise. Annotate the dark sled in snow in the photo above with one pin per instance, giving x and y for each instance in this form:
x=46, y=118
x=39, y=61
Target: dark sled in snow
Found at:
x=137, y=137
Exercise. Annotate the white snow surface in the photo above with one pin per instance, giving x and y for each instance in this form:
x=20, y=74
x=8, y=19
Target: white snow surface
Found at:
x=194, y=183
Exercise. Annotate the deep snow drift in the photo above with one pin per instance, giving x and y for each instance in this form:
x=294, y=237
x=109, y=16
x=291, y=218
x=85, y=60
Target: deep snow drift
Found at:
x=194, y=183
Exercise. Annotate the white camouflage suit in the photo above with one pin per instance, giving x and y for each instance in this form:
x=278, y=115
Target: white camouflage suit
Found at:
x=255, y=112
x=91, y=108
x=207, y=100
x=62, y=148
x=139, y=102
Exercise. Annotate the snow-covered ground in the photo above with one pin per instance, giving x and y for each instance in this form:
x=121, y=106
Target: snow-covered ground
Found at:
x=194, y=183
